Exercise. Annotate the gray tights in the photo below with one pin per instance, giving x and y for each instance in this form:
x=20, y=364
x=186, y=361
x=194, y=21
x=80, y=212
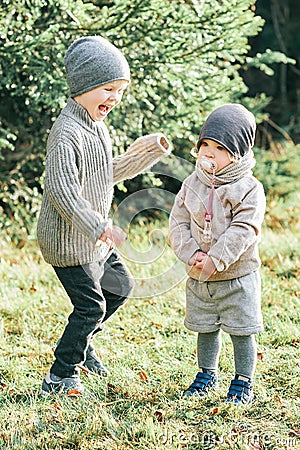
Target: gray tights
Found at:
x=244, y=348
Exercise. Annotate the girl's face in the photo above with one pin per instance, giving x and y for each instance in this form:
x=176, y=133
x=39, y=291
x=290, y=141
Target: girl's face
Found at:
x=100, y=101
x=216, y=153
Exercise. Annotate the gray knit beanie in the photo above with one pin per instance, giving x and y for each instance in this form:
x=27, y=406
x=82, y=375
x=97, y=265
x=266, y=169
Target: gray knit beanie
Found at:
x=91, y=61
x=232, y=126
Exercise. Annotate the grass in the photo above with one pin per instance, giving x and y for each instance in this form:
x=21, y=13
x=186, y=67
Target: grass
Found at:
x=152, y=358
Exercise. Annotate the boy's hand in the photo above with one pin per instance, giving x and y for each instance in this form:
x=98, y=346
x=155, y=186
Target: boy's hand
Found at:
x=113, y=235
x=118, y=235
x=204, y=263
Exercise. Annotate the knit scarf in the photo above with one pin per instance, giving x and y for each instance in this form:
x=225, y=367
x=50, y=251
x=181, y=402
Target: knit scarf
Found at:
x=231, y=173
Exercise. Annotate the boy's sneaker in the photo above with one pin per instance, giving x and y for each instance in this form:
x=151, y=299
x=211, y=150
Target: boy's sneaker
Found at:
x=240, y=391
x=203, y=383
x=93, y=365
x=52, y=384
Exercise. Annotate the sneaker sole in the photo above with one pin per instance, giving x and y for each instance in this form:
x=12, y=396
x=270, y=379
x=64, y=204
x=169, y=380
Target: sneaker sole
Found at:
x=201, y=394
x=71, y=393
x=44, y=394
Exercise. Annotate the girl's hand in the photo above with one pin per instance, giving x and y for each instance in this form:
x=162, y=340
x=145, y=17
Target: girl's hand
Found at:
x=197, y=257
x=204, y=263
x=207, y=267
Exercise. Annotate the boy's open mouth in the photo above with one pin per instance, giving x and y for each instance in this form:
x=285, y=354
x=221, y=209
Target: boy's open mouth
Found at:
x=104, y=109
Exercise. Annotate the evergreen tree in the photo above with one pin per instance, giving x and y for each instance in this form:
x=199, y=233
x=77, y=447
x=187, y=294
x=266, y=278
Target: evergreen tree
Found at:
x=280, y=33
x=186, y=57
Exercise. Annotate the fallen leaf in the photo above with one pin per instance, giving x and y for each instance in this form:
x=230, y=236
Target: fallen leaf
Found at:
x=59, y=435
x=294, y=433
x=143, y=376
x=156, y=325
x=255, y=446
x=215, y=410
x=158, y=415
x=73, y=393
x=21, y=244
x=57, y=406
x=151, y=301
x=33, y=289
x=84, y=370
x=260, y=356
x=111, y=387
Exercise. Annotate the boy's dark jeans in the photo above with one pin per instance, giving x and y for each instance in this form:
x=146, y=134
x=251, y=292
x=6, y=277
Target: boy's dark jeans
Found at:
x=96, y=291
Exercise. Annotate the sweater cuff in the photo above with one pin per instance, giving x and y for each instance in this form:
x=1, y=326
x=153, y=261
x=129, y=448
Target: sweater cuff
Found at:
x=150, y=143
x=141, y=155
x=220, y=266
x=99, y=231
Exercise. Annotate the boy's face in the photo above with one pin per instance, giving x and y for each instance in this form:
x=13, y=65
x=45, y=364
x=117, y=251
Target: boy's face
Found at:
x=215, y=152
x=100, y=101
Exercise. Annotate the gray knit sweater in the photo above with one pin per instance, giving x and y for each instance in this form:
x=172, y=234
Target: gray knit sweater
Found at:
x=79, y=178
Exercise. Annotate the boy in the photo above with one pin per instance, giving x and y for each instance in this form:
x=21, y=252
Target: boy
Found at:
x=74, y=232
x=215, y=227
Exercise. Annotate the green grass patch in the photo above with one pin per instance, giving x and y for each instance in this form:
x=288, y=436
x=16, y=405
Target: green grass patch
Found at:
x=151, y=356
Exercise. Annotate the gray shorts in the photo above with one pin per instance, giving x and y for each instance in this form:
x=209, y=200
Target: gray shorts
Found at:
x=232, y=305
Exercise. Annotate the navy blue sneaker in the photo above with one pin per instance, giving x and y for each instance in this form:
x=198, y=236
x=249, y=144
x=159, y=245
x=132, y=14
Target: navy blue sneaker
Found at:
x=240, y=391
x=71, y=386
x=203, y=383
